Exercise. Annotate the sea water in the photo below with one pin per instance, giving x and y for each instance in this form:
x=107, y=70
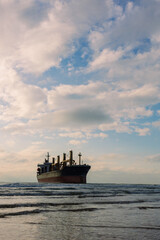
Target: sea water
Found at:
x=32, y=211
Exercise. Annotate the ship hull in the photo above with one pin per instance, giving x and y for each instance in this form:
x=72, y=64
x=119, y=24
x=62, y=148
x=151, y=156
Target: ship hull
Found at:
x=69, y=174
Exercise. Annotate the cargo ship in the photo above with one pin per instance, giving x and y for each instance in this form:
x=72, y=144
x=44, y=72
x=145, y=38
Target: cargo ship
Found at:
x=65, y=171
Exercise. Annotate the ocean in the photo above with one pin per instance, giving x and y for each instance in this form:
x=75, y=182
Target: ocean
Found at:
x=32, y=211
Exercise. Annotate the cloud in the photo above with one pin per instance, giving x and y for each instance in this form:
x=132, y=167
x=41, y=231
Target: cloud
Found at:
x=145, y=93
x=117, y=126
x=105, y=59
x=80, y=135
x=21, y=165
x=71, y=119
x=41, y=33
x=72, y=134
x=142, y=131
x=133, y=47
x=156, y=124
x=122, y=163
x=154, y=158
x=129, y=28
x=19, y=100
x=86, y=107
x=137, y=23
x=125, y=56
x=77, y=142
x=96, y=135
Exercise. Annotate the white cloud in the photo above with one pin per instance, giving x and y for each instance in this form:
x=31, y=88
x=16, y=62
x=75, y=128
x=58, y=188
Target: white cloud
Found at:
x=142, y=131
x=38, y=35
x=72, y=134
x=121, y=44
x=118, y=126
x=136, y=112
x=105, y=59
x=80, y=135
x=46, y=45
x=137, y=24
x=77, y=142
x=19, y=100
x=156, y=124
x=96, y=135
x=96, y=105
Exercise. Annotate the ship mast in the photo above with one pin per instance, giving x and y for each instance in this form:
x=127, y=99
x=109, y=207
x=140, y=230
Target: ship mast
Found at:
x=47, y=156
x=79, y=155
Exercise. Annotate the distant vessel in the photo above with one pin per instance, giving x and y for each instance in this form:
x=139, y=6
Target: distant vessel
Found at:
x=66, y=171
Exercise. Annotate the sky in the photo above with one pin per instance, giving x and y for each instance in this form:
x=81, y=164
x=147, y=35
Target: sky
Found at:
x=81, y=75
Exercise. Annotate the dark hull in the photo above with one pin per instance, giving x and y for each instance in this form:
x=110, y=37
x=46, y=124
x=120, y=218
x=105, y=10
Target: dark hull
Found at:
x=69, y=174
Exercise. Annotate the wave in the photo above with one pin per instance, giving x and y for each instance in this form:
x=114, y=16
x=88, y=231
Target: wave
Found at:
x=80, y=210
x=81, y=191
x=3, y=215
x=5, y=206
x=37, y=211
x=65, y=204
x=145, y=208
x=123, y=227
x=118, y=202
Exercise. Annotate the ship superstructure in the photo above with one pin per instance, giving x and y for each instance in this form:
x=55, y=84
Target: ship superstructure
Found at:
x=65, y=171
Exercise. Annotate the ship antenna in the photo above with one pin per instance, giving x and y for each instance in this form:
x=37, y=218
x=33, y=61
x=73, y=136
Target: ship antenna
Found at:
x=79, y=155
